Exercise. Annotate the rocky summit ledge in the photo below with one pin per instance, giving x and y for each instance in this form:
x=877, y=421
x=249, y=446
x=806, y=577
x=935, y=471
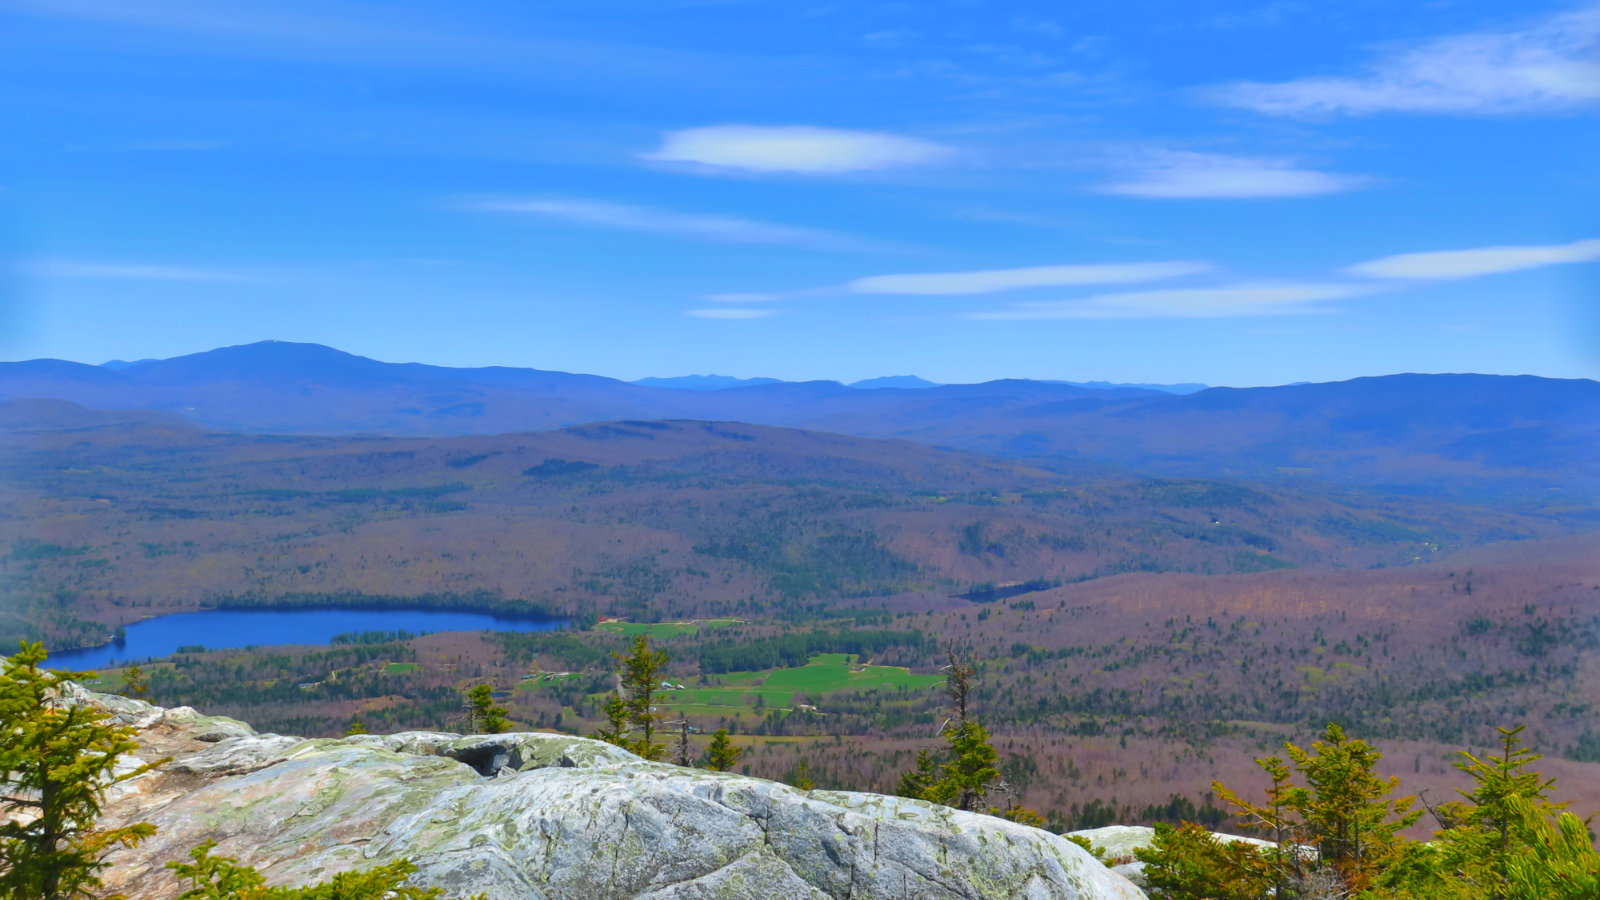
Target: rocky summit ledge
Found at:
x=534, y=816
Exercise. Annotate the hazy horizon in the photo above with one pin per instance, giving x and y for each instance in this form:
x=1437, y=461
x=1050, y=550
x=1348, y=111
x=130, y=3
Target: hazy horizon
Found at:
x=119, y=362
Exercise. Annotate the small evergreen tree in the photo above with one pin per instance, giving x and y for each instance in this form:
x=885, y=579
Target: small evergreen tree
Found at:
x=483, y=716
x=1333, y=836
x=722, y=755
x=641, y=673
x=917, y=782
x=617, y=728
x=1187, y=862
x=1098, y=853
x=964, y=781
x=1485, y=833
x=1561, y=864
x=134, y=683
x=1339, y=836
x=1016, y=812
x=1277, y=821
x=1487, y=839
x=56, y=763
x=968, y=775
x=800, y=776
x=630, y=712
x=1345, y=807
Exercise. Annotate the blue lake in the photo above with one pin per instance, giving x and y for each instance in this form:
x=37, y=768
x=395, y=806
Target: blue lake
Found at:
x=222, y=629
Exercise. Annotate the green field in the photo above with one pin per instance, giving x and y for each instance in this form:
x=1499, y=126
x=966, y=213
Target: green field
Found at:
x=825, y=673
x=829, y=672
x=663, y=629
x=400, y=668
x=715, y=696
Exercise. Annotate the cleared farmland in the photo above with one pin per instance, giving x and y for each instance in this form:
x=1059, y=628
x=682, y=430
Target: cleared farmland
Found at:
x=777, y=689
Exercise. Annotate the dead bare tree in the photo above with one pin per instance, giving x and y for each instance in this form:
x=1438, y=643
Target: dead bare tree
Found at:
x=960, y=677
x=680, y=749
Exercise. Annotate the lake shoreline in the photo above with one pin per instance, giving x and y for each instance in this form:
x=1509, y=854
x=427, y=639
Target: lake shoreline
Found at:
x=236, y=627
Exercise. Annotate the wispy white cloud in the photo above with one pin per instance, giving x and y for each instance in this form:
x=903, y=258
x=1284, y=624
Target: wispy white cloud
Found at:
x=1174, y=175
x=983, y=281
x=71, y=268
x=795, y=149
x=1227, y=301
x=725, y=229
x=1448, y=264
x=1552, y=66
x=992, y=280
x=730, y=312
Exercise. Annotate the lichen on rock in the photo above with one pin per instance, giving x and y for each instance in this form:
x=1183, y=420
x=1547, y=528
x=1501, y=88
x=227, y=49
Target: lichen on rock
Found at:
x=535, y=816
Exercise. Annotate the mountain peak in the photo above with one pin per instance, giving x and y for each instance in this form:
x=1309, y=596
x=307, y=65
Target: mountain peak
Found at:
x=275, y=361
x=894, y=381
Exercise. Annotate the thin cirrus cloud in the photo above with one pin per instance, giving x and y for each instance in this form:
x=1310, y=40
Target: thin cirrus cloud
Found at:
x=730, y=312
x=793, y=149
x=70, y=268
x=1227, y=301
x=1448, y=264
x=1550, y=66
x=723, y=229
x=1181, y=175
x=994, y=280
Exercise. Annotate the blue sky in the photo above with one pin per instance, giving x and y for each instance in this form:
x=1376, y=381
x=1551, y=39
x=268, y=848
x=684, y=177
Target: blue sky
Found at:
x=1250, y=193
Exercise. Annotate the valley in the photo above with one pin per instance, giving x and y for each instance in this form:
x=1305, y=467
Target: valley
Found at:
x=1137, y=635
x=120, y=520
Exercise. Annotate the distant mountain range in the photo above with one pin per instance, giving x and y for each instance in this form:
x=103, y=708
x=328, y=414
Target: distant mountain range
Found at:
x=1536, y=440
x=898, y=382
x=1185, y=388
x=702, y=382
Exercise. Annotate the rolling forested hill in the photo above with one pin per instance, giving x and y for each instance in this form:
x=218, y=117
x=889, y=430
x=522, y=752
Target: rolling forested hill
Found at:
x=1523, y=442
x=116, y=515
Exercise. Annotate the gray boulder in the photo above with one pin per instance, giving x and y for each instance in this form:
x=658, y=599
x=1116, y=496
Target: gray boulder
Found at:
x=1121, y=840
x=535, y=816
